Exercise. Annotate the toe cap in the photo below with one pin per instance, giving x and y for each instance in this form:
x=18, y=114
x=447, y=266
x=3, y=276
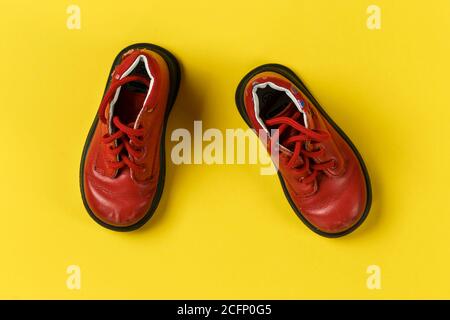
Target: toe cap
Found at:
x=119, y=202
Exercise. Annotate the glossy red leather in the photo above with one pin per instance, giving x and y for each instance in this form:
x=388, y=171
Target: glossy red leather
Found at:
x=122, y=197
x=337, y=198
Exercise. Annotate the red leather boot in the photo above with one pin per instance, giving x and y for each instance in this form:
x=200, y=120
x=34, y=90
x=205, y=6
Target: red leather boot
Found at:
x=123, y=163
x=322, y=174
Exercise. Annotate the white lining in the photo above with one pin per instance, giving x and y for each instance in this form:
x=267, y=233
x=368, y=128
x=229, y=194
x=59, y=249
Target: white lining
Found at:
x=275, y=87
x=116, y=95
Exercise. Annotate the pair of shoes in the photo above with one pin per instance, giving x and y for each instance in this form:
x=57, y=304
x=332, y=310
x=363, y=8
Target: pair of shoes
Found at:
x=123, y=163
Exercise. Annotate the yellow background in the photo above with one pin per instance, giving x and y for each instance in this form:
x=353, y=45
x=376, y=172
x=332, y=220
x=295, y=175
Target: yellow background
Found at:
x=225, y=231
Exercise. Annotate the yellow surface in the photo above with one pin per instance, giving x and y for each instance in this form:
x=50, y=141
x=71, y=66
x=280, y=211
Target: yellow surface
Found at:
x=225, y=231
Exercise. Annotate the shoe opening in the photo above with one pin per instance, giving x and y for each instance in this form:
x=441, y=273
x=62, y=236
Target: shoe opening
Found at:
x=272, y=101
x=130, y=98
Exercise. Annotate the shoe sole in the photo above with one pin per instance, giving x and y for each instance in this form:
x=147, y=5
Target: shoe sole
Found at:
x=174, y=76
x=291, y=76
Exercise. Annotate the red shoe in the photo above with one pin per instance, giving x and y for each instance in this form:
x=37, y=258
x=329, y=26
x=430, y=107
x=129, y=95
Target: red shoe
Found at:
x=322, y=174
x=123, y=163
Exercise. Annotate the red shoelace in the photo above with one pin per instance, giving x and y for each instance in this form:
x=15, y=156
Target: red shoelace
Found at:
x=309, y=170
x=126, y=137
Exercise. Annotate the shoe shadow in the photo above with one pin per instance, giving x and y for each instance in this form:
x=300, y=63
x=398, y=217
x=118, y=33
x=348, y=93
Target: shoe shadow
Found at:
x=374, y=216
x=187, y=108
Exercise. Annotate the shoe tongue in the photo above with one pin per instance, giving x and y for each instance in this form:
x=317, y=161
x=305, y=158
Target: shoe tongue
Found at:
x=292, y=112
x=284, y=112
x=130, y=124
x=302, y=118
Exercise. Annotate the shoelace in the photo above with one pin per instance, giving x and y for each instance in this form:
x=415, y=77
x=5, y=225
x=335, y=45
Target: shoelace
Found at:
x=126, y=136
x=309, y=170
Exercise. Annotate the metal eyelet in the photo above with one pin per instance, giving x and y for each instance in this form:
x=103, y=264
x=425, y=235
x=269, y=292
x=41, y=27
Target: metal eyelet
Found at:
x=335, y=164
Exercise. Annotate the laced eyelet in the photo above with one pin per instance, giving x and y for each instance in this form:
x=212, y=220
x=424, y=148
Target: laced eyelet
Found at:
x=335, y=164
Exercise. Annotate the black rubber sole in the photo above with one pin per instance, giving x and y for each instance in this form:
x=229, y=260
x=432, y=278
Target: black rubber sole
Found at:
x=291, y=76
x=175, y=76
